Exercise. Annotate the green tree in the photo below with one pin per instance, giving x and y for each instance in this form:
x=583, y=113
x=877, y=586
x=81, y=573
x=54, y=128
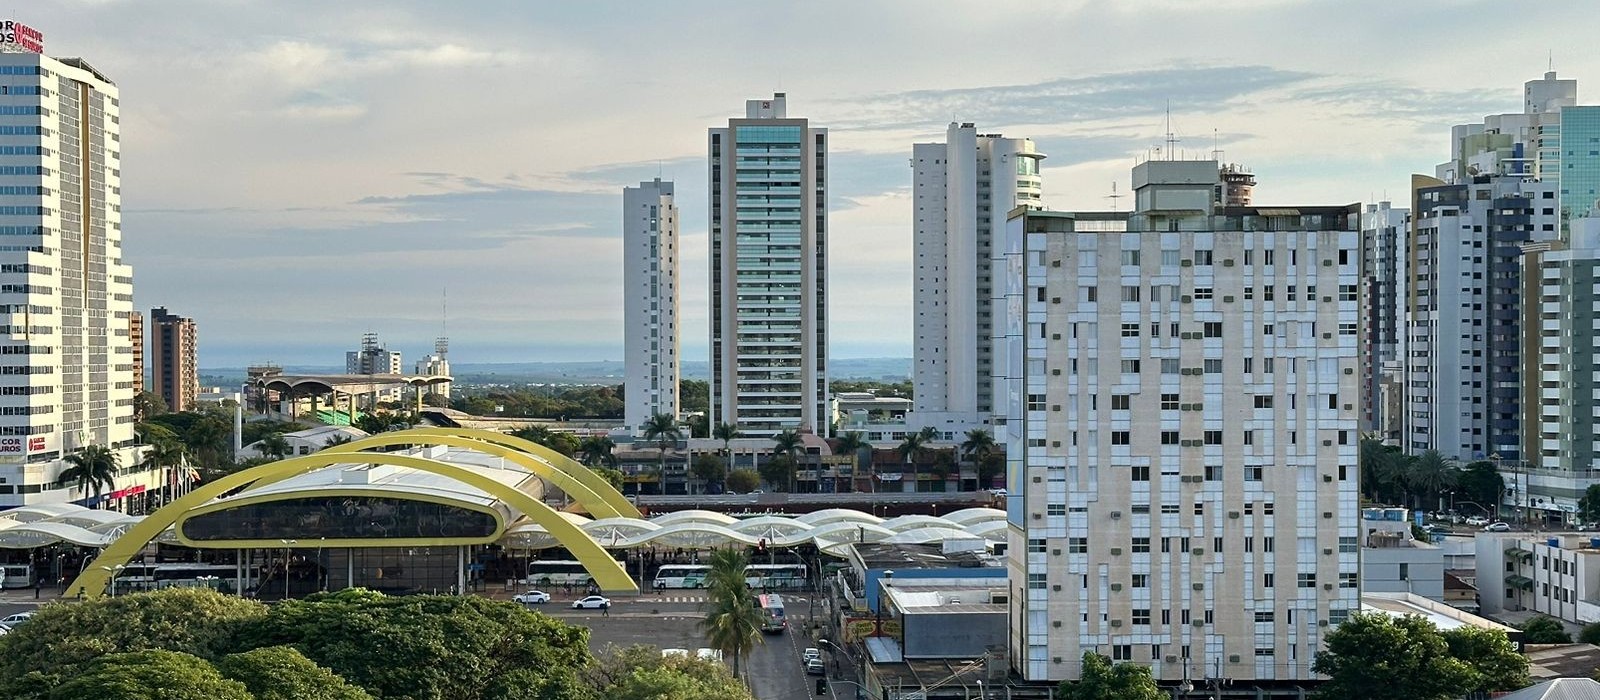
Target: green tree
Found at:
x=1430, y=475
x=909, y=451
x=699, y=425
x=1590, y=634
x=852, y=444
x=61, y=638
x=708, y=468
x=1102, y=680
x=150, y=675
x=613, y=476
x=598, y=451
x=165, y=455
x=978, y=448
x=743, y=480
x=282, y=673
x=564, y=442
x=532, y=433
x=992, y=466
x=732, y=622
x=1589, y=504
x=92, y=468
x=274, y=446
x=694, y=395
x=1491, y=655
x=777, y=470
x=727, y=433
x=154, y=433
x=1543, y=629
x=1377, y=657
x=147, y=404
x=662, y=428
x=642, y=673
x=786, y=444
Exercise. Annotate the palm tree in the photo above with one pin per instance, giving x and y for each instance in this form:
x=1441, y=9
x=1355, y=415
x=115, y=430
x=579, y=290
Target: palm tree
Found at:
x=596, y=451
x=733, y=622
x=1431, y=473
x=93, y=468
x=727, y=433
x=788, y=444
x=852, y=444
x=337, y=440
x=910, y=450
x=977, y=447
x=275, y=446
x=663, y=429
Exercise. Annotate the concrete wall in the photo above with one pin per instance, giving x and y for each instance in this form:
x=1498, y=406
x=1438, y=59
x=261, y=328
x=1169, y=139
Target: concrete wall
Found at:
x=962, y=635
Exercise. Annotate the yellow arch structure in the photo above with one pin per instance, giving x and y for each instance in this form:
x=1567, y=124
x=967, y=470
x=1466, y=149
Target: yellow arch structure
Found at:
x=572, y=467
x=597, y=505
x=607, y=573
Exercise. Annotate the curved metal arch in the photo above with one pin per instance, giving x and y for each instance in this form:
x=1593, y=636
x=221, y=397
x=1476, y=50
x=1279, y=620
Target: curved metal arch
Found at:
x=576, y=469
x=97, y=575
x=580, y=492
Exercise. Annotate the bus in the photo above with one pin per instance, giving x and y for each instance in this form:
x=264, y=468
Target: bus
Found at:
x=150, y=577
x=681, y=576
x=776, y=577
x=557, y=573
x=16, y=576
x=772, y=619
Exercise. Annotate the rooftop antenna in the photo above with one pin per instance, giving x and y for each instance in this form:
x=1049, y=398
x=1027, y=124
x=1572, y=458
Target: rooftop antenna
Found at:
x=1216, y=146
x=1172, y=139
x=1114, y=196
x=441, y=344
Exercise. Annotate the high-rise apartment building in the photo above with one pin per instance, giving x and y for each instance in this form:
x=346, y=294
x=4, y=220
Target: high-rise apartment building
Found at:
x=769, y=271
x=374, y=358
x=1580, y=163
x=1179, y=405
x=962, y=191
x=136, y=334
x=437, y=365
x=174, y=348
x=1384, y=265
x=68, y=377
x=650, y=262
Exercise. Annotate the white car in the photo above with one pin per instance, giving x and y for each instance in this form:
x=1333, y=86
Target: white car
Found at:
x=1477, y=520
x=531, y=597
x=592, y=602
x=810, y=653
x=1497, y=527
x=17, y=619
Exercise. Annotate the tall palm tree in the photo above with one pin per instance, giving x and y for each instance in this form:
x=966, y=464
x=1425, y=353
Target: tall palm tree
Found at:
x=597, y=451
x=1430, y=474
x=275, y=446
x=95, y=467
x=977, y=448
x=788, y=444
x=852, y=444
x=727, y=433
x=663, y=429
x=733, y=622
x=910, y=450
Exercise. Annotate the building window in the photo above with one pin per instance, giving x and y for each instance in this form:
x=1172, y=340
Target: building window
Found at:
x=1036, y=545
x=1037, y=582
x=1202, y=257
x=1140, y=473
x=1140, y=581
x=1141, y=616
x=1130, y=330
x=1130, y=257
x=1119, y=402
x=1077, y=545
x=1213, y=437
x=1169, y=437
x=1306, y=580
x=1130, y=292
x=1119, y=437
x=1169, y=402
x=1266, y=580
x=1170, y=366
x=1141, y=545
x=1122, y=652
x=1130, y=366
x=1213, y=473
x=1349, y=580
x=1213, y=329
x=1213, y=366
x=1263, y=616
x=1263, y=401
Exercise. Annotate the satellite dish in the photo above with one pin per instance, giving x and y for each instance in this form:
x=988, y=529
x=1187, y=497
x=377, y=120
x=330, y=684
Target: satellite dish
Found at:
x=1472, y=170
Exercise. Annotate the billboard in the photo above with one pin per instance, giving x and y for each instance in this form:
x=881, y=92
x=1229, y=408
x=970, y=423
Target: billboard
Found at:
x=16, y=36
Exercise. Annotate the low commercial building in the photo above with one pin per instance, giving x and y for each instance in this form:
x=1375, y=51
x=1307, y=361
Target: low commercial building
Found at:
x=1557, y=575
x=1394, y=561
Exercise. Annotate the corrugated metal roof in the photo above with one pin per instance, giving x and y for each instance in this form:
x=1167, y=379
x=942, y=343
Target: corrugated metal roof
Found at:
x=1559, y=689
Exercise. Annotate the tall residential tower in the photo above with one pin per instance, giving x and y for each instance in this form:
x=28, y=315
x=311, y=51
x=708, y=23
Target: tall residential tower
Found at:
x=67, y=297
x=962, y=191
x=769, y=272
x=174, y=357
x=650, y=256
x=1179, y=408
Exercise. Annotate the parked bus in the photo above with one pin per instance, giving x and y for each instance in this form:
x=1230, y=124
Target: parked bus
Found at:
x=681, y=576
x=149, y=577
x=557, y=573
x=772, y=619
x=776, y=577
x=17, y=576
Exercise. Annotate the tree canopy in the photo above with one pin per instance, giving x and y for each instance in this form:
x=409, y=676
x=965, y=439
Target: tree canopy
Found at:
x=183, y=644
x=1102, y=680
x=1543, y=629
x=1378, y=657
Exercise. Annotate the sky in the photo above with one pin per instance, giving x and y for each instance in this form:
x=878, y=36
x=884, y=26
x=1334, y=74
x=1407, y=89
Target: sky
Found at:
x=298, y=173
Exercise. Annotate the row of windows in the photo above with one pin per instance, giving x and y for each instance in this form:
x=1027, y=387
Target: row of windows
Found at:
x=15, y=110
x=25, y=211
x=26, y=369
x=24, y=70
x=24, y=151
x=26, y=410
x=26, y=289
x=24, y=170
x=26, y=390
x=27, y=350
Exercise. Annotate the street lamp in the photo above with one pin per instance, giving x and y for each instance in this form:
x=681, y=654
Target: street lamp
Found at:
x=113, y=570
x=287, y=544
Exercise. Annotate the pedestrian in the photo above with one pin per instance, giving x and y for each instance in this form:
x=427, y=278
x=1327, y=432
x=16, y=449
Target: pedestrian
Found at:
x=605, y=610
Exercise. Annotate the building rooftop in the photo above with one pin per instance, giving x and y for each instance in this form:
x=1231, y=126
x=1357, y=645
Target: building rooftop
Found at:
x=917, y=556
x=1442, y=616
x=1559, y=689
x=913, y=599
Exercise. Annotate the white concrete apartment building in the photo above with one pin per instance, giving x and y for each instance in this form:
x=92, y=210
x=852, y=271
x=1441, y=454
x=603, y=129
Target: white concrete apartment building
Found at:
x=962, y=192
x=1558, y=575
x=1179, y=409
x=769, y=271
x=66, y=377
x=1394, y=561
x=650, y=256
x=374, y=358
x=1464, y=296
x=436, y=365
x=1561, y=402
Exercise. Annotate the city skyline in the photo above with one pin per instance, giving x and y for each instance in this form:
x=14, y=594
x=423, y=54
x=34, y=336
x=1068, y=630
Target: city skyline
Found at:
x=307, y=119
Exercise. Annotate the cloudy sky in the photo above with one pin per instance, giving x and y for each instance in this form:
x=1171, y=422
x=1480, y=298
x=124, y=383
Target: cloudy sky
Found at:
x=298, y=173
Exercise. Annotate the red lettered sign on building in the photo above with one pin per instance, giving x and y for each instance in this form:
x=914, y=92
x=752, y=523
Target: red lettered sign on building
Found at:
x=21, y=36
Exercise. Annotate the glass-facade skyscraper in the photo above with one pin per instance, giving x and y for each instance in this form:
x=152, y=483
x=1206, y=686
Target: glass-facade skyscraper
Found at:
x=769, y=299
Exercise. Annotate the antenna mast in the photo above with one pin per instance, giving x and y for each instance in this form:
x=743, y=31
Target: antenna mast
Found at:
x=1114, y=196
x=1172, y=139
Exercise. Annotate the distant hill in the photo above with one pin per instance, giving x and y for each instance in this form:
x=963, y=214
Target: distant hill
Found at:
x=598, y=372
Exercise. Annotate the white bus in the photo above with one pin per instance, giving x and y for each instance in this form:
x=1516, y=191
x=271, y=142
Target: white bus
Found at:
x=16, y=576
x=557, y=573
x=149, y=577
x=772, y=618
x=776, y=576
x=681, y=576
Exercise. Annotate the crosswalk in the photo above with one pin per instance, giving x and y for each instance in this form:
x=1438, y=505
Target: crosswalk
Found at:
x=673, y=599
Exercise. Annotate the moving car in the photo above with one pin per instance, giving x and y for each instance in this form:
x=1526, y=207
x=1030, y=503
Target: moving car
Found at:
x=592, y=602
x=814, y=667
x=1477, y=520
x=1491, y=527
x=14, y=620
x=810, y=653
x=532, y=597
